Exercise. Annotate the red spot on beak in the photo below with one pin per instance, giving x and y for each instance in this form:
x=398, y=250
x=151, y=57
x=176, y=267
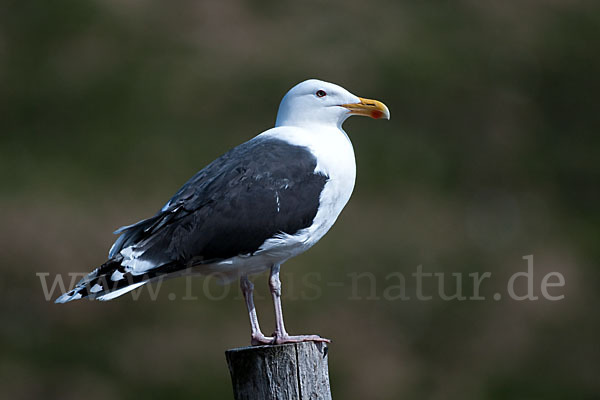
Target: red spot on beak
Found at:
x=376, y=114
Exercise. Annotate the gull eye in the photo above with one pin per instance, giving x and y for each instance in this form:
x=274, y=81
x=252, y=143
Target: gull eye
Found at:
x=321, y=93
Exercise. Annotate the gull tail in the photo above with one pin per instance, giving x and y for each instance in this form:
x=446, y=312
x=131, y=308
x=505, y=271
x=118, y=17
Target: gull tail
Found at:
x=112, y=280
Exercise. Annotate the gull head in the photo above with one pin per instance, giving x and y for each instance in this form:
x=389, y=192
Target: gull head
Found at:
x=314, y=102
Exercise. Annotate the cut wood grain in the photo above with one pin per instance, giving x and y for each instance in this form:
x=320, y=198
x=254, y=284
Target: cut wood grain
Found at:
x=283, y=372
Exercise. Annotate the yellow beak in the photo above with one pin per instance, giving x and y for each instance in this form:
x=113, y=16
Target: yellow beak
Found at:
x=368, y=108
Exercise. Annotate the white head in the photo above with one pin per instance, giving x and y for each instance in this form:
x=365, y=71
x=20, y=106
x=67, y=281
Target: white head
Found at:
x=315, y=102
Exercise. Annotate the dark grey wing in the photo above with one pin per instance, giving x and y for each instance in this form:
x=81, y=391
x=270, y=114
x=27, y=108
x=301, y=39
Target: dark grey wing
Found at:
x=255, y=191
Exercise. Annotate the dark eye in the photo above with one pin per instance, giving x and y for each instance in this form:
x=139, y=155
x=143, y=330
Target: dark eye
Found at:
x=321, y=93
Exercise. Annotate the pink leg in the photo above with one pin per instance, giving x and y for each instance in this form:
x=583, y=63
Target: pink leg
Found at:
x=257, y=336
x=281, y=335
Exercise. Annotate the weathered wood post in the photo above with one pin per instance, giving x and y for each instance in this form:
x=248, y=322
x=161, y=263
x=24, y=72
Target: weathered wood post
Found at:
x=282, y=372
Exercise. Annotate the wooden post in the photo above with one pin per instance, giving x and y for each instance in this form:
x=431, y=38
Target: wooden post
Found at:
x=283, y=372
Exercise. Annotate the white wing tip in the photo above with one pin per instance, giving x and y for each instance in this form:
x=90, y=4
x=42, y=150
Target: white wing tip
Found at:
x=120, y=292
x=66, y=297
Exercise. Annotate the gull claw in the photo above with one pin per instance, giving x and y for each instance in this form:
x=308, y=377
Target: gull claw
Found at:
x=285, y=338
x=260, y=339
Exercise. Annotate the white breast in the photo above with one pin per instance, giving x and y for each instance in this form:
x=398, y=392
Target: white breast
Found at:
x=335, y=158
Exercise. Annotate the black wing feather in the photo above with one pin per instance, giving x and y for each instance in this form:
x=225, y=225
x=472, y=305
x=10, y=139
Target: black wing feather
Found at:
x=259, y=189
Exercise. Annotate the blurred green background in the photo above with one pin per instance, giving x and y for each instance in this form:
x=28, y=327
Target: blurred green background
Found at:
x=492, y=153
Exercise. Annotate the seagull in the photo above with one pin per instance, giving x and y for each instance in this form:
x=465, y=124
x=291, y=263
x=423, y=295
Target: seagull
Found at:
x=250, y=210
